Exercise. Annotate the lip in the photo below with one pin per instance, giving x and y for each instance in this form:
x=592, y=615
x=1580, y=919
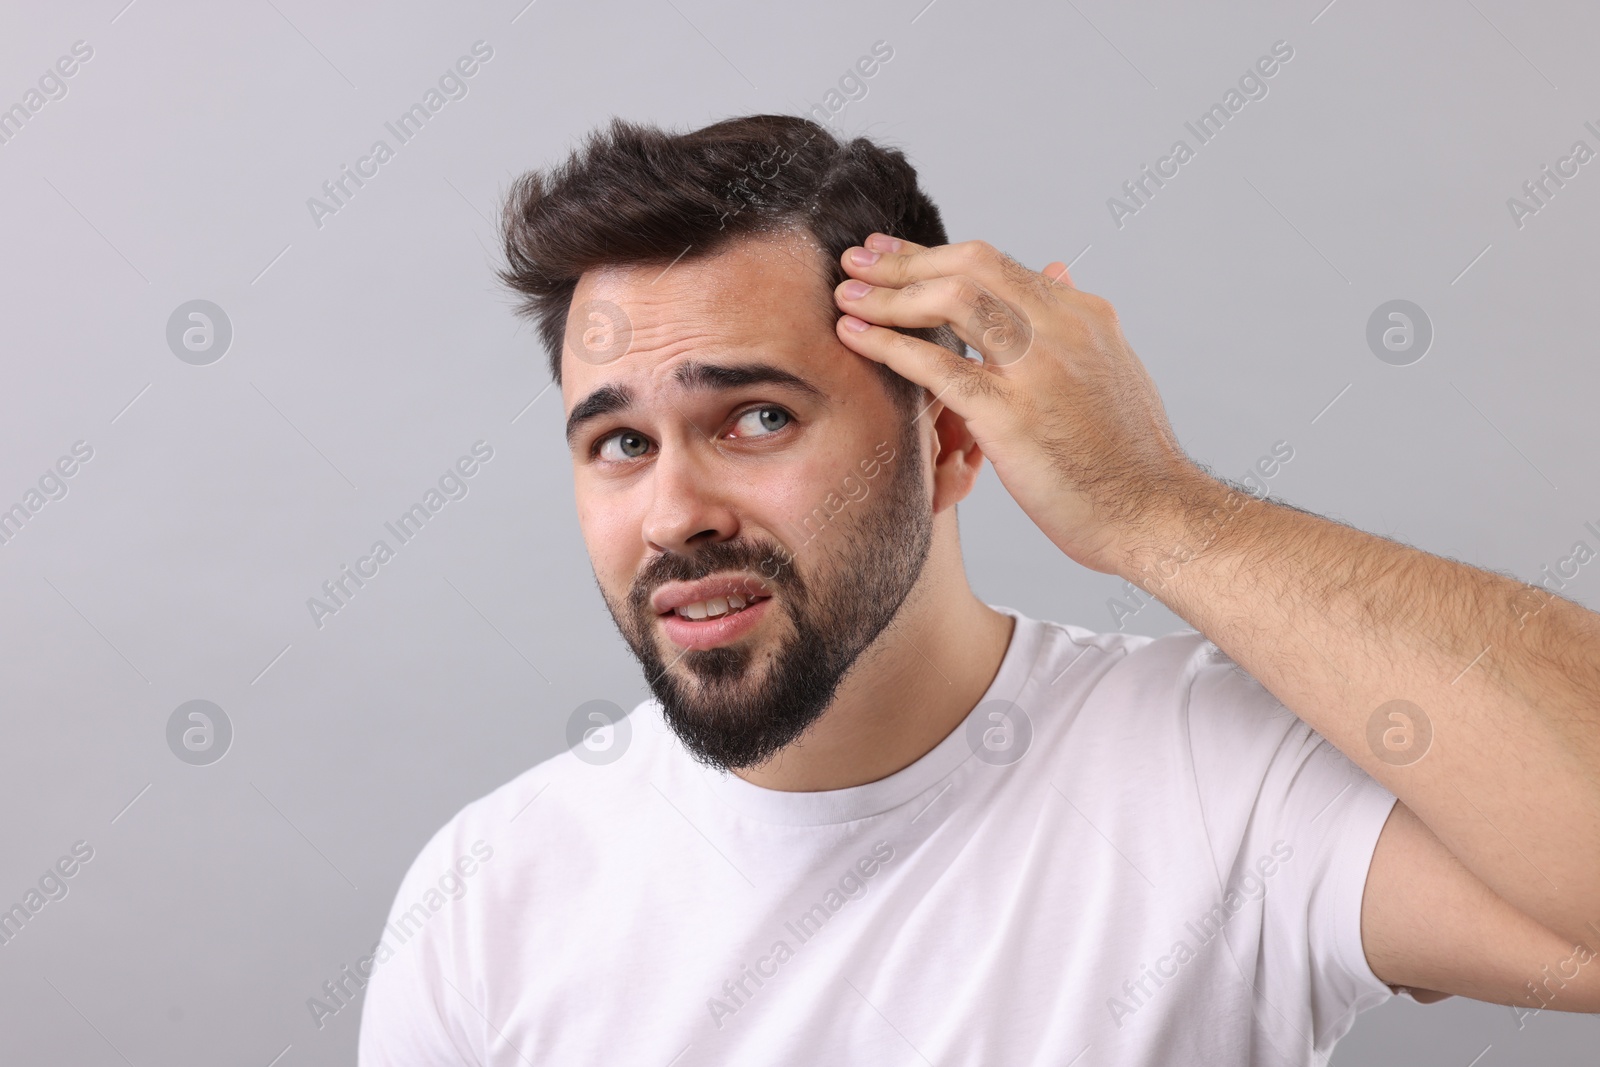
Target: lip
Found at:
x=677, y=594
x=709, y=633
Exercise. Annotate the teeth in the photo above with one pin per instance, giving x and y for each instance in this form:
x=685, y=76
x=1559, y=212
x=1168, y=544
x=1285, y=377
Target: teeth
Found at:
x=715, y=607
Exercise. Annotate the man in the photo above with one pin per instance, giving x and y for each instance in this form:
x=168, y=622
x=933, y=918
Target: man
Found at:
x=870, y=818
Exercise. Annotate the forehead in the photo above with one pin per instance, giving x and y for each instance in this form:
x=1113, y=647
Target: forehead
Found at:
x=765, y=295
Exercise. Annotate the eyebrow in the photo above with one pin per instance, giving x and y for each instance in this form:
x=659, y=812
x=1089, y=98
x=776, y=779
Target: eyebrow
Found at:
x=696, y=377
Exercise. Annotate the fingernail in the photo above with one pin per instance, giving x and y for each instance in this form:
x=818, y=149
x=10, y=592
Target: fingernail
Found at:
x=853, y=324
x=861, y=257
x=855, y=290
x=883, y=243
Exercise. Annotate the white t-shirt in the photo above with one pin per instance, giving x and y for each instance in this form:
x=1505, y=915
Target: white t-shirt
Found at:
x=1129, y=853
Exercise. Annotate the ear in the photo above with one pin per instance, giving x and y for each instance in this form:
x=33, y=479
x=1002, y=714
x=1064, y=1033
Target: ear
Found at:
x=956, y=458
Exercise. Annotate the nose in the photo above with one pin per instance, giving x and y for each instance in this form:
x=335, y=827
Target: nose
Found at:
x=690, y=503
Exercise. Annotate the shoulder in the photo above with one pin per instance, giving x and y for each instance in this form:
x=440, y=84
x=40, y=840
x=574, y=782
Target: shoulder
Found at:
x=1138, y=678
x=1159, y=706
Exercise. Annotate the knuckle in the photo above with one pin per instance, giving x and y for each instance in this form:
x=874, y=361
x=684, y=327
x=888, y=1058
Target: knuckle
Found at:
x=911, y=263
x=1029, y=282
x=969, y=293
x=1099, y=305
x=979, y=252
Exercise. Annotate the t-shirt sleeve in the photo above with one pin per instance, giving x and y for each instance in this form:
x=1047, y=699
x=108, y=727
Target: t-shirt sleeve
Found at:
x=409, y=1014
x=1290, y=816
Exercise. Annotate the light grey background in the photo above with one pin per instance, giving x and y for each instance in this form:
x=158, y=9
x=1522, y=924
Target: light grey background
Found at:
x=372, y=351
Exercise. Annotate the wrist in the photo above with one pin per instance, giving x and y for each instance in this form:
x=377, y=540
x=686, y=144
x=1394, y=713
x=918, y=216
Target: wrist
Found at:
x=1195, y=517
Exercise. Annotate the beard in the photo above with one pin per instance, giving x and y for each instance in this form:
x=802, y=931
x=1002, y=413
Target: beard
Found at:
x=727, y=706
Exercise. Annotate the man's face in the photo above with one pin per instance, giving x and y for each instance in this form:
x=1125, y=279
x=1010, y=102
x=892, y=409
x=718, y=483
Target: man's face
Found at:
x=737, y=453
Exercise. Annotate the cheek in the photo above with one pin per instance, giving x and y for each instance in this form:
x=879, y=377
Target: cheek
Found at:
x=611, y=534
x=811, y=494
x=790, y=496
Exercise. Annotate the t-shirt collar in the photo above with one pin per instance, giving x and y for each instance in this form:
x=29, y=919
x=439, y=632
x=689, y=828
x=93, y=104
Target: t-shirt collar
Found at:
x=835, y=806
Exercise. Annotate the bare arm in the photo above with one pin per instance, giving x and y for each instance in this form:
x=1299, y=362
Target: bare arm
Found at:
x=1472, y=697
x=1339, y=624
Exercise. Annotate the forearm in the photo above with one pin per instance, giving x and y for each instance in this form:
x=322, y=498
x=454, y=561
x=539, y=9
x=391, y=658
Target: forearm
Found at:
x=1337, y=623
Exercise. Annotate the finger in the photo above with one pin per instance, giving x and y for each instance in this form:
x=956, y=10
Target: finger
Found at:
x=883, y=242
x=963, y=384
x=1001, y=333
x=978, y=260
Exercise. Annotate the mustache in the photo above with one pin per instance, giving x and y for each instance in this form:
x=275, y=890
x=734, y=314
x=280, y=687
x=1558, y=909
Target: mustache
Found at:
x=715, y=558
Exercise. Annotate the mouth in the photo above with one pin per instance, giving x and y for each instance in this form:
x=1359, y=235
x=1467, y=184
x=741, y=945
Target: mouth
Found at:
x=710, y=597
x=722, y=611
x=716, y=607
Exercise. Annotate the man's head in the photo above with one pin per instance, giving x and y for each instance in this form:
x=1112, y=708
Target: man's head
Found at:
x=724, y=442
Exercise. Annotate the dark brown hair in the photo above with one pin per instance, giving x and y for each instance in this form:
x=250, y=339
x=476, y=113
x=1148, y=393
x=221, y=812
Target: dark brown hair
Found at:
x=634, y=194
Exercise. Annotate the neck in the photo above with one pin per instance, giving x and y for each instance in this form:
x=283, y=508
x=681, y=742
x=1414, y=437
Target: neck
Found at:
x=906, y=693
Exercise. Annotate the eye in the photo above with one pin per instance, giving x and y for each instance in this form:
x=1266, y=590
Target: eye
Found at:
x=759, y=422
x=623, y=445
